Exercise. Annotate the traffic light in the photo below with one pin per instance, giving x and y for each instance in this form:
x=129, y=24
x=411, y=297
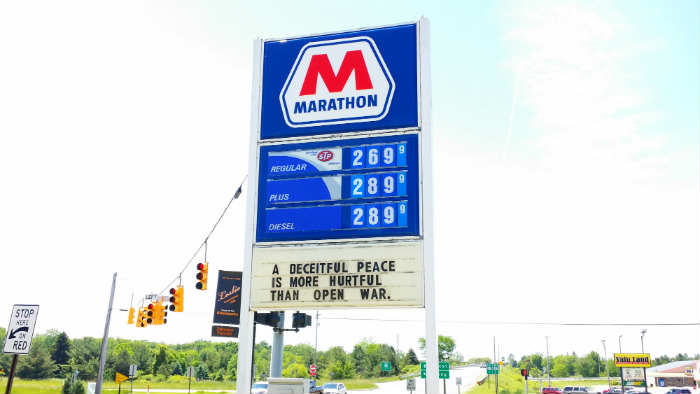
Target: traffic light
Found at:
x=144, y=319
x=301, y=320
x=269, y=319
x=177, y=298
x=202, y=276
x=131, y=316
x=150, y=314
x=157, y=313
x=139, y=318
x=524, y=372
x=162, y=313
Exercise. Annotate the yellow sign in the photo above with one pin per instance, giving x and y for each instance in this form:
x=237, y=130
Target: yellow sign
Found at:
x=120, y=378
x=632, y=360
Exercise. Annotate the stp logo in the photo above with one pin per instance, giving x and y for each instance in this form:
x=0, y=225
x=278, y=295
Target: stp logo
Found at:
x=325, y=155
x=337, y=81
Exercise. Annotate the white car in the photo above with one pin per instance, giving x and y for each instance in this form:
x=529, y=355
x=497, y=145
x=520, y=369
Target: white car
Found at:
x=334, y=388
x=259, y=388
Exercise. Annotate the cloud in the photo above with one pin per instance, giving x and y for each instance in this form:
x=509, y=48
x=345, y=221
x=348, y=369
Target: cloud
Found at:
x=587, y=111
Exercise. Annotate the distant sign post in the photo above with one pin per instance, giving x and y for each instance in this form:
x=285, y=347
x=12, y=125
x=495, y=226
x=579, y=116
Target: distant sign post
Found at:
x=132, y=375
x=386, y=366
x=190, y=373
x=312, y=370
x=492, y=369
x=443, y=370
x=411, y=385
x=19, y=335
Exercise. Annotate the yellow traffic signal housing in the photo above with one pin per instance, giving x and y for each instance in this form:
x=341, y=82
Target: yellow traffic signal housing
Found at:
x=162, y=313
x=202, y=276
x=131, y=316
x=156, y=311
x=149, y=314
x=139, y=319
x=177, y=299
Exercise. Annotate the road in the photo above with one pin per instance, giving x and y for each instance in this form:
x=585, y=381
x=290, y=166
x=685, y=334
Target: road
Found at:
x=469, y=377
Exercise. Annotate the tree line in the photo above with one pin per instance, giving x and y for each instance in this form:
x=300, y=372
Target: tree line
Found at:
x=54, y=354
x=588, y=365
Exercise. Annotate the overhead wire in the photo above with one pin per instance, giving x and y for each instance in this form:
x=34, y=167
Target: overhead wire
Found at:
x=235, y=196
x=522, y=323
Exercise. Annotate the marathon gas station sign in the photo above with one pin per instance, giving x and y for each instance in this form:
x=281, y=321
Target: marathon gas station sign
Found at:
x=340, y=207
x=338, y=174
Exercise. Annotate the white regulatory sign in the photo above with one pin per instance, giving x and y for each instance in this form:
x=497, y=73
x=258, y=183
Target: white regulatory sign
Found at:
x=21, y=329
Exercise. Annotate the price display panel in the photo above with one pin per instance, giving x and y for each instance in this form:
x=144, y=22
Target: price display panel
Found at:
x=350, y=188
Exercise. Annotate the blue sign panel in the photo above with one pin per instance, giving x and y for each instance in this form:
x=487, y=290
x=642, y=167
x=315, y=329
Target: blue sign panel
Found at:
x=355, y=188
x=335, y=83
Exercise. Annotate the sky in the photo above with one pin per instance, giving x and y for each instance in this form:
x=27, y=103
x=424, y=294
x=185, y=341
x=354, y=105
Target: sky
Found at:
x=566, y=165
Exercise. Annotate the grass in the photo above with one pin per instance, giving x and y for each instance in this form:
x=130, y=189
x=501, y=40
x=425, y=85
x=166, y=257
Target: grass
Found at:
x=511, y=382
x=53, y=386
x=201, y=385
x=43, y=386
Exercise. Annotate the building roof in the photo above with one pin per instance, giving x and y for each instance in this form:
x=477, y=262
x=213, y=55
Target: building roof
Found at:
x=673, y=367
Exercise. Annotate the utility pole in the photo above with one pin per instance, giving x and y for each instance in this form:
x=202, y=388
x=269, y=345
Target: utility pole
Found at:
x=619, y=342
x=644, y=331
x=316, y=340
x=105, y=338
x=549, y=376
x=495, y=362
x=607, y=369
x=277, y=348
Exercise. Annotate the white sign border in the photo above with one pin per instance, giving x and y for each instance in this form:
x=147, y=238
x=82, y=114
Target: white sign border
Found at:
x=30, y=333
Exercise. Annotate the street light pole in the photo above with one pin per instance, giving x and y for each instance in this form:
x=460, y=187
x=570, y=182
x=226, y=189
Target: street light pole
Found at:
x=607, y=370
x=549, y=375
x=619, y=342
x=646, y=388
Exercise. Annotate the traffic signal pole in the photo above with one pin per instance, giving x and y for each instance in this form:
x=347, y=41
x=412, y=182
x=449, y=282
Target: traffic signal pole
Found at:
x=277, y=348
x=105, y=337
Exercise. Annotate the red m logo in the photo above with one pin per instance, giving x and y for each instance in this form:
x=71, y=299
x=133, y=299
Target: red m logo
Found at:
x=320, y=65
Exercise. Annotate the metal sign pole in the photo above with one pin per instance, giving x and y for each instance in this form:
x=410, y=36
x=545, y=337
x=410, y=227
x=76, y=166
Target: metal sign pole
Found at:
x=526, y=386
x=245, y=335
x=622, y=381
x=10, y=378
x=105, y=337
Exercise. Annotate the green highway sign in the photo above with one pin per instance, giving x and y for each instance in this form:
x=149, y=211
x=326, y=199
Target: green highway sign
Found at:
x=492, y=369
x=443, y=370
x=386, y=366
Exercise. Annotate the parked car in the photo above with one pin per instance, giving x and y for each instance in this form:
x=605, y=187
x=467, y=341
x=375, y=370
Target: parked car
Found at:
x=259, y=388
x=551, y=390
x=334, y=388
x=315, y=389
x=678, y=391
x=578, y=390
x=613, y=390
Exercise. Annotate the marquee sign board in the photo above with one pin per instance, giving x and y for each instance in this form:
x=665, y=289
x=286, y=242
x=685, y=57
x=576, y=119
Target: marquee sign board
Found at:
x=333, y=276
x=632, y=360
